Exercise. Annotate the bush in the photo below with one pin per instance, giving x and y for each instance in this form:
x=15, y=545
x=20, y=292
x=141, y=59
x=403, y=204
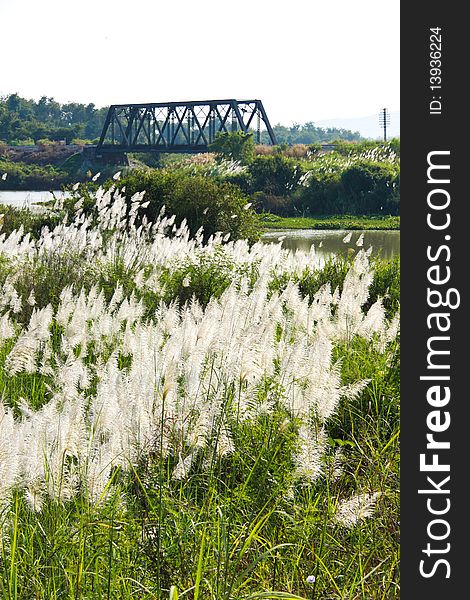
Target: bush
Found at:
x=235, y=145
x=274, y=175
x=322, y=195
x=369, y=186
x=363, y=187
x=13, y=218
x=46, y=276
x=269, y=203
x=25, y=142
x=203, y=202
x=31, y=177
x=386, y=284
x=205, y=278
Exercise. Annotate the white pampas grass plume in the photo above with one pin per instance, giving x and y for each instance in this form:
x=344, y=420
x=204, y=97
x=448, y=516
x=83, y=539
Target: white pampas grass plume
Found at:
x=350, y=512
x=183, y=467
x=347, y=237
x=360, y=240
x=337, y=466
x=22, y=356
x=6, y=328
x=31, y=299
x=308, y=459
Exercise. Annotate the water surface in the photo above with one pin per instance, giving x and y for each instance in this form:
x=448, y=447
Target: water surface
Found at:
x=26, y=199
x=328, y=241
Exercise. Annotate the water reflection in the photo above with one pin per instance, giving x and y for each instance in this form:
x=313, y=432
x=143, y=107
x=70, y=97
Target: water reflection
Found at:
x=27, y=199
x=327, y=242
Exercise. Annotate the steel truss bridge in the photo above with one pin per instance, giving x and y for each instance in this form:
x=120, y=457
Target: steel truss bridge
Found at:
x=179, y=126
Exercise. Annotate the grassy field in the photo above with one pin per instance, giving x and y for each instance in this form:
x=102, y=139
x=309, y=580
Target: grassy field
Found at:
x=194, y=420
x=270, y=221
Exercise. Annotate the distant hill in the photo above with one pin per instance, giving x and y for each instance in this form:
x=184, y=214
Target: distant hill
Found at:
x=368, y=126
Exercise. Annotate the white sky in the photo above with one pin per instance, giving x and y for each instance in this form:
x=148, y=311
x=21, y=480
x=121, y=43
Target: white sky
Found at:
x=307, y=60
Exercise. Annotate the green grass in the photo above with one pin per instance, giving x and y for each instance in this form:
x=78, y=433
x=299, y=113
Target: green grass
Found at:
x=270, y=221
x=234, y=532
x=239, y=527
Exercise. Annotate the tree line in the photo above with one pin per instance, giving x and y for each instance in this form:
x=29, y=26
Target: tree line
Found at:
x=26, y=121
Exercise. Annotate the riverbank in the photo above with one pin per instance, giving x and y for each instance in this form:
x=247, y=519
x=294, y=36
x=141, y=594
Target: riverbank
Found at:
x=366, y=222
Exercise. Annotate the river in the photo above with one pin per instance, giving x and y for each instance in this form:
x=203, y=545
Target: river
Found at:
x=327, y=242
x=29, y=198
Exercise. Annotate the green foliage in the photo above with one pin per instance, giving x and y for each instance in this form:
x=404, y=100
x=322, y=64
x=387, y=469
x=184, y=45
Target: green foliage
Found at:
x=311, y=280
x=46, y=276
x=370, y=187
x=22, y=119
x=308, y=133
x=365, y=222
x=386, y=284
x=362, y=186
x=207, y=278
x=348, y=148
x=203, y=202
x=376, y=409
x=274, y=175
x=272, y=179
x=31, y=177
x=356, y=179
x=235, y=145
x=13, y=218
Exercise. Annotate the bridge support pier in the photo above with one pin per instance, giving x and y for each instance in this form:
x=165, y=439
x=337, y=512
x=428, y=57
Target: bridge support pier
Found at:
x=106, y=158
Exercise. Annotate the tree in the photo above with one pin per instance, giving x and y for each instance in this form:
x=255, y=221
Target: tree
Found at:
x=236, y=145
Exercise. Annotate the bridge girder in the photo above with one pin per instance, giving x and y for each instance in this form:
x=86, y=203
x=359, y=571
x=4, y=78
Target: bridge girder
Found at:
x=179, y=126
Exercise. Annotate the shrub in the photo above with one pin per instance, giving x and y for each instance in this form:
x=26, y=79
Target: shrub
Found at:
x=369, y=186
x=13, y=218
x=275, y=175
x=322, y=195
x=215, y=206
x=31, y=177
x=235, y=145
x=294, y=151
x=205, y=278
x=269, y=203
x=361, y=187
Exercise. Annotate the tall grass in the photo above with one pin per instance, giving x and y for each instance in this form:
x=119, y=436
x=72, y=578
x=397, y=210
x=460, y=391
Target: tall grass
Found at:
x=194, y=420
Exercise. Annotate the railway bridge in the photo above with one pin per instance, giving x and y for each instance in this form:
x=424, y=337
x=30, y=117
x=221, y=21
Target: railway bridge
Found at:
x=178, y=127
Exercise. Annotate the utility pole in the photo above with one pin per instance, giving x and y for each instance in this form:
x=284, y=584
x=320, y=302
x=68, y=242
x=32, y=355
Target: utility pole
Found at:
x=384, y=120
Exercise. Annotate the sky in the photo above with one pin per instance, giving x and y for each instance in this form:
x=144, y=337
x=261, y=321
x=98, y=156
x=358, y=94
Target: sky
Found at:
x=307, y=60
